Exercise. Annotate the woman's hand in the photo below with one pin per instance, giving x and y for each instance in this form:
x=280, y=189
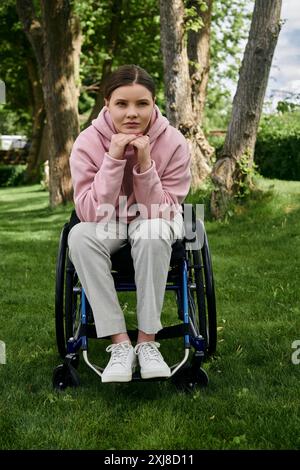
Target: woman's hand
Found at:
x=141, y=145
x=118, y=145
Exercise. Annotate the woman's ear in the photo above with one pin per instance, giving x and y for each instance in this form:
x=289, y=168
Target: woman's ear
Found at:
x=106, y=102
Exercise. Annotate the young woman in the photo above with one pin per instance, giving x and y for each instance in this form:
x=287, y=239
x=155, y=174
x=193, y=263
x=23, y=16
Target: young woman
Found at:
x=130, y=171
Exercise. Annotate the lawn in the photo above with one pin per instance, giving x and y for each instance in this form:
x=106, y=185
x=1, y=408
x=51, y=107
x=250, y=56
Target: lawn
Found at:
x=252, y=401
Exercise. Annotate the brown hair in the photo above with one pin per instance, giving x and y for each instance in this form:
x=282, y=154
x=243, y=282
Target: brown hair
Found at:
x=128, y=75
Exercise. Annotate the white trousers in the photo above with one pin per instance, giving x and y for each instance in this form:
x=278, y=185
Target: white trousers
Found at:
x=91, y=245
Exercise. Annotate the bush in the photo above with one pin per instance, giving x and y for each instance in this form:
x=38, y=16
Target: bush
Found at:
x=277, y=150
x=12, y=175
x=202, y=195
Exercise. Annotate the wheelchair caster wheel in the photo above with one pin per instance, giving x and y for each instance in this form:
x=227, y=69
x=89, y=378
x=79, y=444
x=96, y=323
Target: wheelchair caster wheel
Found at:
x=74, y=360
x=200, y=377
x=65, y=376
x=188, y=380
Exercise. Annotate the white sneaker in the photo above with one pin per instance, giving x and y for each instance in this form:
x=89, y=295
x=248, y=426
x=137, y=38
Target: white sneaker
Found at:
x=122, y=363
x=151, y=361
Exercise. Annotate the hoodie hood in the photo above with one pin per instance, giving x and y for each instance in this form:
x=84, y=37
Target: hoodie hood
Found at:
x=103, y=123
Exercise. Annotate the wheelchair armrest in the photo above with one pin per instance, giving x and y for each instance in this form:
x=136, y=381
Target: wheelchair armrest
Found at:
x=74, y=220
x=200, y=231
x=189, y=220
x=194, y=228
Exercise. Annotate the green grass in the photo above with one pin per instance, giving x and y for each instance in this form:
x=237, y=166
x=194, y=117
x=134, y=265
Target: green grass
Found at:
x=252, y=401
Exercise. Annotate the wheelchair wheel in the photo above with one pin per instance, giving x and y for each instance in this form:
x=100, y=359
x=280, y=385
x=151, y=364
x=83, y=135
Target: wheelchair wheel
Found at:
x=67, y=300
x=59, y=293
x=210, y=297
x=202, y=300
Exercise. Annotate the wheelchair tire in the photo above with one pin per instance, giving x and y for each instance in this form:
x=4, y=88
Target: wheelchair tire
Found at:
x=189, y=380
x=65, y=376
x=59, y=293
x=205, y=296
x=67, y=307
x=210, y=297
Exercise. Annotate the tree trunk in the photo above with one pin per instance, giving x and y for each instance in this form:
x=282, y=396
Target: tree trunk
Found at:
x=231, y=170
x=199, y=59
x=33, y=170
x=112, y=42
x=182, y=111
x=56, y=43
x=62, y=44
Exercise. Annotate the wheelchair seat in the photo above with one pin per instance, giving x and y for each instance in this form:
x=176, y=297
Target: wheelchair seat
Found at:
x=122, y=261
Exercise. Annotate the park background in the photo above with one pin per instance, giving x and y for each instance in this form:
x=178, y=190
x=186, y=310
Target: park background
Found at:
x=252, y=400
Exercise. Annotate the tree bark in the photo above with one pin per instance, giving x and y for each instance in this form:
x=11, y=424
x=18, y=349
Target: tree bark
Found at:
x=33, y=170
x=199, y=59
x=62, y=44
x=237, y=154
x=181, y=107
x=56, y=41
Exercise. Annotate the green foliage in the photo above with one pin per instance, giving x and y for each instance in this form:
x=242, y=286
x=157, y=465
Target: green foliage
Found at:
x=245, y=175
x=218, y=109
x=286, y=106
x=202, y=195
x=216, y=141
x=85, y=103
x=15, y=52
x=12, y=175
x=139, y=31
x=229, y=30
x=277, y=150
x=230, y=27
x=192, y=21
x=14, y=122
x=138, y=41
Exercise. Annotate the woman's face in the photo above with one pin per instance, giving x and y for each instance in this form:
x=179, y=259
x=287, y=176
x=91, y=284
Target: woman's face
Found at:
x=131, y=108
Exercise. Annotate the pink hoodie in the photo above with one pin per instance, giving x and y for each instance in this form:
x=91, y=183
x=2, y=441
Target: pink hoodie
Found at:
x=99, y=179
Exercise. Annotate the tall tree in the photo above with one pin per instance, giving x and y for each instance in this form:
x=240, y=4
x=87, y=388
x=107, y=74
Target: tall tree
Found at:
x=56, y=40
x=233, y=167
x=186, y=64
x=198, y=49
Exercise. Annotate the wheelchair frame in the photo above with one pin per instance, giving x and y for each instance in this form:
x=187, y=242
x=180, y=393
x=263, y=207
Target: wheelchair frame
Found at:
x=191, y=277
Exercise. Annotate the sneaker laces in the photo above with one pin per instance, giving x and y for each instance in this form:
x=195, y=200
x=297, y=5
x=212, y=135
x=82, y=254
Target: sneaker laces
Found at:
x=150, y=350
x=119, y=352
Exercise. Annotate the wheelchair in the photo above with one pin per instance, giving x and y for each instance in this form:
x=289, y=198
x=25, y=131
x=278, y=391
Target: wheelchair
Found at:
x=190, y=277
